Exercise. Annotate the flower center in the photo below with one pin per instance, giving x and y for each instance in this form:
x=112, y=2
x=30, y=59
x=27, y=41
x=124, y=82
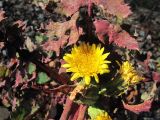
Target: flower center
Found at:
x=86, y=62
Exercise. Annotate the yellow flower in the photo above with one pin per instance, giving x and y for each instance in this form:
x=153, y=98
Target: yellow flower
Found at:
x=129, y=74
x=103, y=116
x=86, y=61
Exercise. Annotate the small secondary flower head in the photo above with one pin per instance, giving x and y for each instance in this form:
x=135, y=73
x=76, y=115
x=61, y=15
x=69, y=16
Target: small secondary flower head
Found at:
x=103, y=116
x=129, y=74
x=86, y=61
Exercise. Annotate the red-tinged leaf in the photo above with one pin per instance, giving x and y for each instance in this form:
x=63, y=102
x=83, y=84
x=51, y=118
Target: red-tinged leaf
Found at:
x=62, y=69
x=56, y=29
x=115, y=7
x=59, y=30
x=71, y=6
x=2, y=15
x=103, y=28
x=1, y=45
x=14, y=104
x=5, y=99
x=143, y=107
x=21, y=24
x=123, y=39
x=18, y=79
x=116, y=34
x=156, y=76
x=2, y=83
x=47, y=59
x=52, y=45
x=12, y=62
x=74, y=35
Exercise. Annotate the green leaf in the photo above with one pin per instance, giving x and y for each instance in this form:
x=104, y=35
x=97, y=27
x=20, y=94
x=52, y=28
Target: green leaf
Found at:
x=34, y=109
x=145, y=96
x=3, y=71
x=91, y=96
x=94, y=112
x=19, y=115
x=31, y=68
x=42, y=78
x=40, y=38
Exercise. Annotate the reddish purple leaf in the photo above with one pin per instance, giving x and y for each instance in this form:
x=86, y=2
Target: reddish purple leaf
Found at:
x=1, y=45
x=123, y=39
x=71, y=6
x=116, y=35
x=18, y=79
x=59, y=30
x=14, y=103
x=103, y=28
x=115, y=7
x=2, y=83
x=2, y=15
x=21, y=24
x=143, y=107
x=62, y=69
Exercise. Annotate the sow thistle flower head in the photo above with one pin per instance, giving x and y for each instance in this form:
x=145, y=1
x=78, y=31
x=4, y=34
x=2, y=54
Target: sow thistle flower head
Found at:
x=86, y=61
x=129, y=74
x=103, y=116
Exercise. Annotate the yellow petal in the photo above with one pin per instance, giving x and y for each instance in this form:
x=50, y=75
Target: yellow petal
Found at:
x=104, y=71
x=101, y=51
x=104, y=66
x=71, y=70
x=87, y=80
x=104, y=56
x=75, y=76
x=93, y=47
x=96, y=78
x=67, y=58
x=66, y=65
x=106, y=61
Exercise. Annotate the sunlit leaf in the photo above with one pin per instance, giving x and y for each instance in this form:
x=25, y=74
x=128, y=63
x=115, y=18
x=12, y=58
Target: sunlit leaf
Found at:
x=42, y=78
x=116, y=35
x=115, y=7
x=31, y=68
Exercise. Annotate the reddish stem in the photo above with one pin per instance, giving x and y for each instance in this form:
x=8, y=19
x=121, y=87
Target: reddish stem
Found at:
x=82, y=111
x=67, y=109
x=89, y=7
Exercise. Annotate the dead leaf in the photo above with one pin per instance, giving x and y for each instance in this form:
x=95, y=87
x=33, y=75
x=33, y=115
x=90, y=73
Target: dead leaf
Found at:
x=52, y=45
x=30, y=45
x=59, y=30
